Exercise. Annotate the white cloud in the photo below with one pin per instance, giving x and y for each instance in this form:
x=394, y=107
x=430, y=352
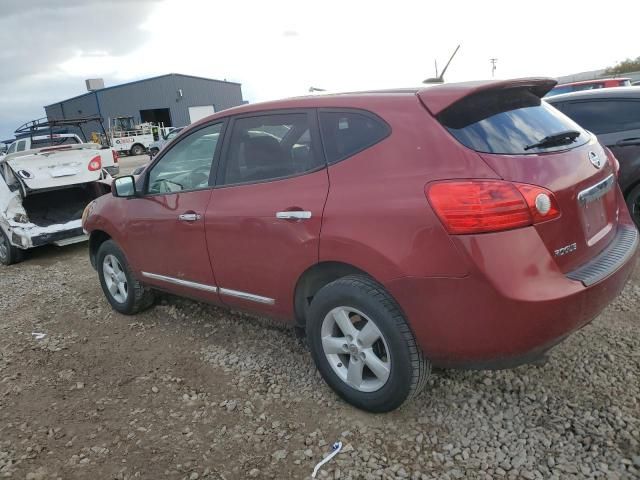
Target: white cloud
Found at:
x=351, y=45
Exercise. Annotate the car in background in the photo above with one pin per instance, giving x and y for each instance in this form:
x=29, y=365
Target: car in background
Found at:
x=46, y=181
x=158, y=145
x=588, y=85
x=459, y=225
x=614, y=116
x=108, y=156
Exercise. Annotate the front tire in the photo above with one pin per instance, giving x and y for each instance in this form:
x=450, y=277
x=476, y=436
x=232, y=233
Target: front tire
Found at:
x=8, y=253
x=123, y=291
x=633, y=203
x=362, y=345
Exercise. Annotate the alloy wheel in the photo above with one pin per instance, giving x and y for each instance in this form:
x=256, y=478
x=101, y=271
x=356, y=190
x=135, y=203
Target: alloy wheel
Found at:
x=356, y=349
x=115, y=278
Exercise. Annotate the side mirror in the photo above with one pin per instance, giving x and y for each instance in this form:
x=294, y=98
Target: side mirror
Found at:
x=124, y=187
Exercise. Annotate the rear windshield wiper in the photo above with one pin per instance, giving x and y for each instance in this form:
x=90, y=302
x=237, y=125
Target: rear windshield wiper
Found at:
x=561, y=138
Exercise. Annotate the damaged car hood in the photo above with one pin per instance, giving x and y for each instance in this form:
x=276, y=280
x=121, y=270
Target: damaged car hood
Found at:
x=56, y=168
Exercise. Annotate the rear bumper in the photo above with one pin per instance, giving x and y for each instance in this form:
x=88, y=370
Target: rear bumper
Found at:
x=514, y=305
x=37, y=237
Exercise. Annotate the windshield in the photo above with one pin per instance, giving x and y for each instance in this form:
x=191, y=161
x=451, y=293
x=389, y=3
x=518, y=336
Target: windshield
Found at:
x=508, y=122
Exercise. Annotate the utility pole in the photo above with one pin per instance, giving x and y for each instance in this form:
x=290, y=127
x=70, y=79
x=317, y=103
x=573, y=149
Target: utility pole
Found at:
x=493, y=66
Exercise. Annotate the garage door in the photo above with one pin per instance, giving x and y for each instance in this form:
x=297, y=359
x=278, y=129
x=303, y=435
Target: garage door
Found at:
x=200, y=111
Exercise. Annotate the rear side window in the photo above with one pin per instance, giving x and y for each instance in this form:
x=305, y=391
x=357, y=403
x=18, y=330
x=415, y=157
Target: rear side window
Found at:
x=269, y=147
x=21, y=145
x=345, y=133
x=605, y=116
x=506, y=122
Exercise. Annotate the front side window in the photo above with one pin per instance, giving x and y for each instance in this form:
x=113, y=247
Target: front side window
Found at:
x=12, y=148
x=605, y=116
x=347, y=133
x=269, y=147
x=507, y=121
x=187, y=165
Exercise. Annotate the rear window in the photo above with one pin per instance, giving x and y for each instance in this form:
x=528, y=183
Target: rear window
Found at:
x=506, y=122
x=605, y=116
x=53, y=142
x=559, y=90
x=346, y=133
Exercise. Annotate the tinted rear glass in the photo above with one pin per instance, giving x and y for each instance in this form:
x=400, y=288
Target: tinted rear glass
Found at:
x=346, y=133
x=506, y=122
x=605, y=116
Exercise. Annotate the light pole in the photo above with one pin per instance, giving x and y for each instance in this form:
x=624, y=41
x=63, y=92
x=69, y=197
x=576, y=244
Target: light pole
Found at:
x=493, y=66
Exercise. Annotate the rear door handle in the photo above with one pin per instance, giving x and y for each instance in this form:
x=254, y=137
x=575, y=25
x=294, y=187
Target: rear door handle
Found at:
x=294, y=215
x=189, y=217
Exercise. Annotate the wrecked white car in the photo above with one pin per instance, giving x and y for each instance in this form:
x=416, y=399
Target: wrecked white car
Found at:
x=43, y=192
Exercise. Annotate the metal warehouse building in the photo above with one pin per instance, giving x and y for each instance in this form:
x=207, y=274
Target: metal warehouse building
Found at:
x=173, y=99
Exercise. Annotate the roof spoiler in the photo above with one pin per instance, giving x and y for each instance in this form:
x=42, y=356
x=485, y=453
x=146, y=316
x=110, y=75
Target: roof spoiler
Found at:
x=440, y=97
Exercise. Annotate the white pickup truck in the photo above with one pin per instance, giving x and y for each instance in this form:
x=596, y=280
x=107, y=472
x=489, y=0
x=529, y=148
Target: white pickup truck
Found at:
x=46, y=181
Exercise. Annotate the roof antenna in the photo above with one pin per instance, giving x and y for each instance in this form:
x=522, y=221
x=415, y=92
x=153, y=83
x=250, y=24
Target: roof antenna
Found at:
x=440, y=78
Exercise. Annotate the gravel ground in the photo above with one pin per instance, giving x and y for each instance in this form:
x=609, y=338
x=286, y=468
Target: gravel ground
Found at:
x=189, y=391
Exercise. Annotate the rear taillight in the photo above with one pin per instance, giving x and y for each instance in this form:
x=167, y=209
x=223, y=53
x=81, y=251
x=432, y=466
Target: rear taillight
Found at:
x=479, y=206
x=541, y=202
x=95, y=164
x=115, y=156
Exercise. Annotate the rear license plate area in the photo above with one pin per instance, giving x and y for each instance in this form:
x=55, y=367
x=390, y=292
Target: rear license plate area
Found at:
x=594, y=203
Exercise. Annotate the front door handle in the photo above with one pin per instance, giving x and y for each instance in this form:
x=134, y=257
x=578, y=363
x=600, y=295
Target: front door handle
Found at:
x=294, y=215
x=189, y=217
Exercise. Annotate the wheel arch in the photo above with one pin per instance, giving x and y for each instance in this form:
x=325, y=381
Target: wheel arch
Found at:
x=316, y=277
x=96, y=238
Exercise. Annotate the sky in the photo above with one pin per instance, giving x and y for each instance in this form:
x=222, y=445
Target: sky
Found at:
x=281, y=48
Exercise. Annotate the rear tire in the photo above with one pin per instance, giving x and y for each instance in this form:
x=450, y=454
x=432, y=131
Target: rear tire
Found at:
x=378, y=345
x=8, y=253
x=123, y=291
x=137, y=149
x=633, y=203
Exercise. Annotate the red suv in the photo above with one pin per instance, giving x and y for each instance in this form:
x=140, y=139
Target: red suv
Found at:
x=461, y=225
